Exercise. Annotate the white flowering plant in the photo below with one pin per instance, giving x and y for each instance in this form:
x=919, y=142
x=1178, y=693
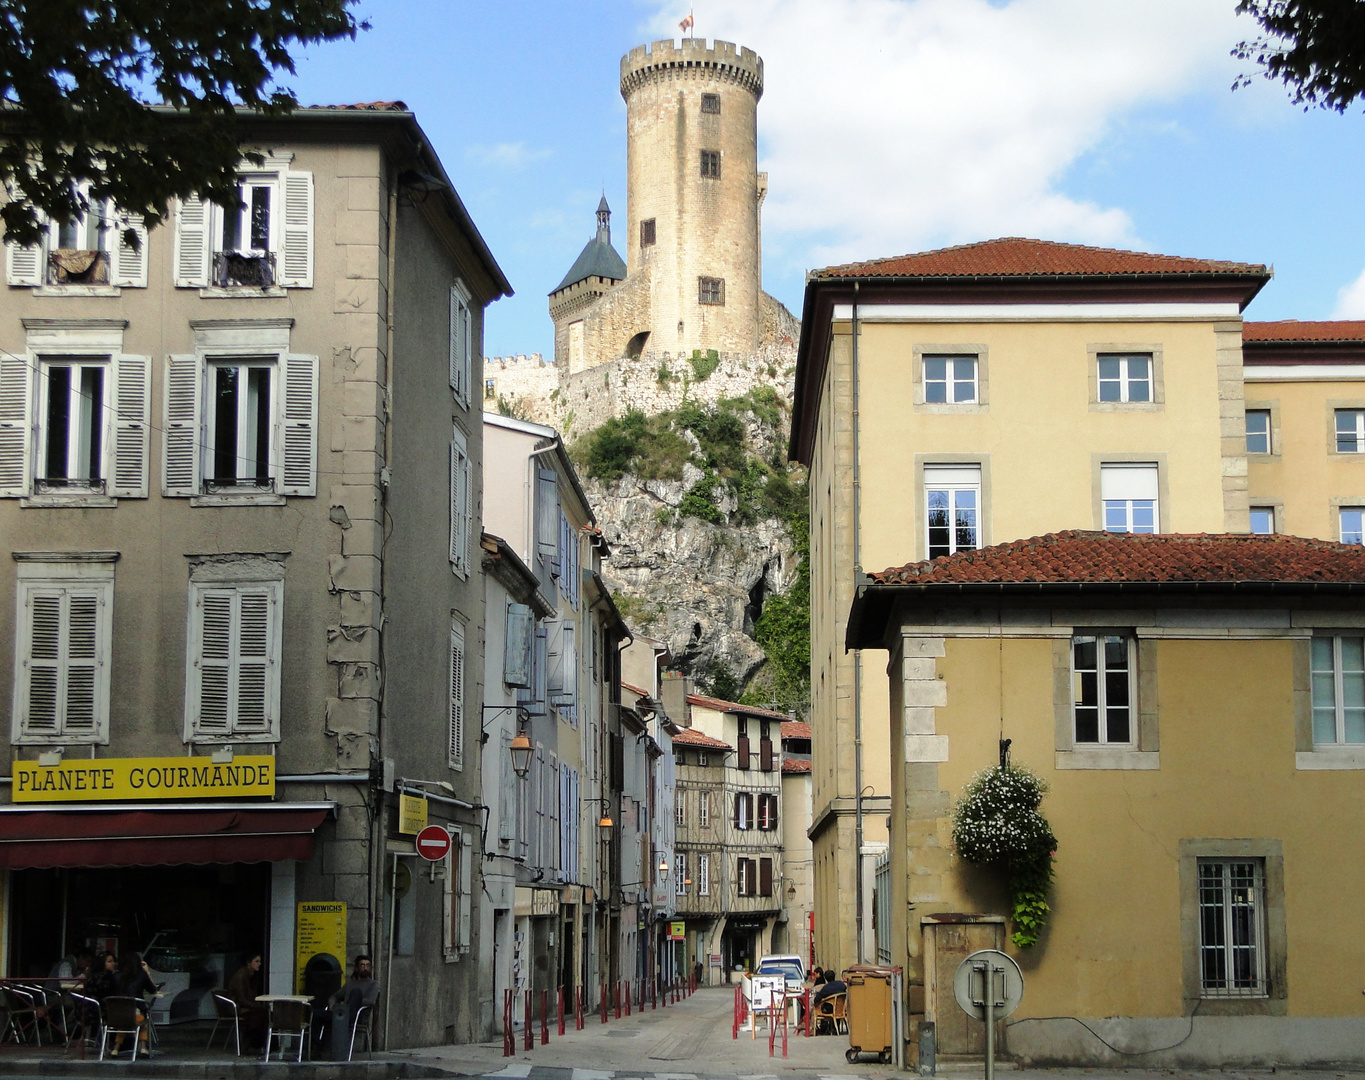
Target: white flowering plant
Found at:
x=997, y=822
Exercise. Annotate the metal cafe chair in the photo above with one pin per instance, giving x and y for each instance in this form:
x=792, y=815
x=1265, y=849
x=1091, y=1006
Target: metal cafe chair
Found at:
x=363, y=1027
x=121, y=1018
x=288, y=1020
x=89, y=1018
x=225, y=1012
x=21, y=1016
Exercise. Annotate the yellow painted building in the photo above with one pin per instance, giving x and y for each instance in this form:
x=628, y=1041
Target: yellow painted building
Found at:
x=1204, y=779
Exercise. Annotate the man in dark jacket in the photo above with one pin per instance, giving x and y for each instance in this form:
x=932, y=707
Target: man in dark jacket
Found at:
x=358, y=991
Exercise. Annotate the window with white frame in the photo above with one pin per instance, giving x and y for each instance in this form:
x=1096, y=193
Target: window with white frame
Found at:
x=241, y=424
x=63, y=651
x=1350, y=431
x=459, y=890
x=1262, y=520
x=461, y=344
x=704, y=874
x=1258, y=431
x=680, y=807
x=767, y=812
x=746, y=870
x=1338, y=690
x=459, y=504
x=1129, y=493
x=1124, y=378
x=232, y=683
x=952, y=495
x=744, y=811
x=703, y=809
x=265, y=241
x=74, y=417
x=1232, y=928
x=1352, y=524
x=703, y=758
x=1102, y=689
x=91, y=249
x=455, y=727
x=950, y=380
x=681, y=886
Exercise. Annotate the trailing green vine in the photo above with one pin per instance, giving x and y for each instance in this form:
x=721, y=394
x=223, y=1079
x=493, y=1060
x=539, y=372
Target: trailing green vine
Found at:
x=997, y=823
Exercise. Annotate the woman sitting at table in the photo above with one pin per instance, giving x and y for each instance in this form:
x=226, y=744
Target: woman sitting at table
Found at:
x=244, y=987
x=134, y=980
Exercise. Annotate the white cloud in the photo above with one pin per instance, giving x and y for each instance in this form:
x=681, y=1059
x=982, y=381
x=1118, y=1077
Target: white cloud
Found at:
x=1351, y=300
x=889, y=126
x=515, y=155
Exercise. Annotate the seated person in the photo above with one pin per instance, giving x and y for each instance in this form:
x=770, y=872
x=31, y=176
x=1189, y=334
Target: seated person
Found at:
x=829, y=988
x=358, y=991
x=244, y=987
x=134, y=980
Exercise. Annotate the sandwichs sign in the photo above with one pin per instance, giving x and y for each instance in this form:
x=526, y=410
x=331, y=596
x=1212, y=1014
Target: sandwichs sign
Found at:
x=111, y=779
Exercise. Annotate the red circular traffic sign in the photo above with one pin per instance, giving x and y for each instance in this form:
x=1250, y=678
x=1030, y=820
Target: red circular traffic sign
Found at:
x=433, y=843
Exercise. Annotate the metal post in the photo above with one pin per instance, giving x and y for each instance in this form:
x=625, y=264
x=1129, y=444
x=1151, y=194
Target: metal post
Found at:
x=530, y=1033
x=927, y=1051
x=989, y=998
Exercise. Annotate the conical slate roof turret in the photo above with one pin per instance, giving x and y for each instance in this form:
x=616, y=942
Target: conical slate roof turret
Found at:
x=599, y=258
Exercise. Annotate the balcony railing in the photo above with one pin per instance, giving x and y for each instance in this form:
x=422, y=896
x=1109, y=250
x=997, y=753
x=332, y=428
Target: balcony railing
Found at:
x=244, y=268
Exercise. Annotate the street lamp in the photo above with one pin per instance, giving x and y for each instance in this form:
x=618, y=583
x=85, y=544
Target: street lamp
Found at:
x=663, y=867
x=521, y=751
x=605, y=822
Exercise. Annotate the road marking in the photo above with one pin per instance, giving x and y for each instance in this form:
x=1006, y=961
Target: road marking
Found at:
x=517, y=1071
x=591, y=1074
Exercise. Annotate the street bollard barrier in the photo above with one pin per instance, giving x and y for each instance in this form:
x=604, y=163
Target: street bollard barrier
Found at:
x=739, y=1012
x=530, y=1033
x=578, y=1009
x=545, y=1018
x=561, y=1010
x=604, y=1003
x=653, y=993
x=509, y=1040
x=616, y=999
x=627, y=997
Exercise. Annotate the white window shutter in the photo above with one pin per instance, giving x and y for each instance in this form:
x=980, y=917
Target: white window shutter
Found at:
x=41, y=664
x=254, y=661
x=466, y=886
x=554, y=661
x=450, y=899
x=81, y=699
x=132, y=425
x=459, y=344
x=192, y=243
x=456, y=758
x=459, y=504
x=507, y=792
x=16, y=424
x=296, y=262
x=516, y=650
x=129, y=264
x=299, y=426
x=211, y=662
x=181, y=427
x=23, y=265
x=547, y=519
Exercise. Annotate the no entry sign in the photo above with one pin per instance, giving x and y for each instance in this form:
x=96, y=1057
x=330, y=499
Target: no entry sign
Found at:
x=433, y=843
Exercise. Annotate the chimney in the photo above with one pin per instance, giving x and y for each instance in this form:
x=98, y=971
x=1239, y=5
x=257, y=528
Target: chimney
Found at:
x=673, y=690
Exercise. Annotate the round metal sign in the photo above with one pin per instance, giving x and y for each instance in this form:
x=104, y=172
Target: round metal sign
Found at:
x=1006, y=982
x=433, y=843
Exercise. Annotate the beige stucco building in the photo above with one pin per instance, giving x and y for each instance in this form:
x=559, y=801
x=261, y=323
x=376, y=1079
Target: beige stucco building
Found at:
x=239, y=488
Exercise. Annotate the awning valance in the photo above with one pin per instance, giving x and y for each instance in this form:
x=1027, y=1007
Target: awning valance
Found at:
x=50, y=836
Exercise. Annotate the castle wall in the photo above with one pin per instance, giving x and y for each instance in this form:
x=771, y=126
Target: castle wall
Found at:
x=610, y=323
x=705, y=226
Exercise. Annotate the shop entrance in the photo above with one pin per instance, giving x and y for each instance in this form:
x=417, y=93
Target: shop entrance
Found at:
x=194, y=924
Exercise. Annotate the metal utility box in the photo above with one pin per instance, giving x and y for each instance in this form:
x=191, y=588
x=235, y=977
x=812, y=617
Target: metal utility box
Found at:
x=870, y=1011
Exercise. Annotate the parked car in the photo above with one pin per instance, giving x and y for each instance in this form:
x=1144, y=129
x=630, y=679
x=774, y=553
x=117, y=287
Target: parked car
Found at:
x=789, y=966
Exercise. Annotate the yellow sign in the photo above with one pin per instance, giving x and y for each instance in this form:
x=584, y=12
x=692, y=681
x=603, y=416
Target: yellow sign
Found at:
x=320, y=928
x=96, y=779
x=412, y=814
x=677, y=931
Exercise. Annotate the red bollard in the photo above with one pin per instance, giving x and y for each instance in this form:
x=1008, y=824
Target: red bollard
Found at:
x=616, y=999
x=530, y=1033
x=545, y=1018
x=561, y=1010
x=509, y=1042
x=628, y=985
x=578, y=1009
x=734, y=1024
x=653, y=993
x=604, y=1003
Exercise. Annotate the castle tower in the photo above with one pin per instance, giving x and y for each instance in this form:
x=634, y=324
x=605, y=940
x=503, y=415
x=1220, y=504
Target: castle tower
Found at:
x=693, y=191
x=597, y=268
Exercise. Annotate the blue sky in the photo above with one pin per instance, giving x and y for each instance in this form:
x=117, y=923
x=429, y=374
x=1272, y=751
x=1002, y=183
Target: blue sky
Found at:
x=886, y=126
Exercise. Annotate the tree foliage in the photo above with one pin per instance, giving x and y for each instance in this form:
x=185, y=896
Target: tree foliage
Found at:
x=79, y=80
x=1315, y=47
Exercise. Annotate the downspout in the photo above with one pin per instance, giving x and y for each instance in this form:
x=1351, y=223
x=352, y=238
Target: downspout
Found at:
x=857, y=655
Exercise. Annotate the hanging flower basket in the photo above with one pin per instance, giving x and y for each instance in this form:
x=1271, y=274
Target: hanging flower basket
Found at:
x=997, y=823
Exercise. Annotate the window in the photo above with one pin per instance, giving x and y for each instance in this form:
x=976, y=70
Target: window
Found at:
x=710, y=103
x=1125, y=378
x=232, y=686
x=1129, y=492
x=1350, y=431
x=952, y=495
x=561, y=668
x=1338, y=690
x=73, y=425
x=767, y=813
x=570, y=569
x=243, y=425
x=459, y=504
x=1258, y=431
x=950, y=379
x=681, y=887
x=455, y=729
x=517, y=644
x=704, y=874
x=1232, y=928
x=490, y=389
x=710, y=163
x=1262, y=520
x=711, y=290
x=63, y=651
x=458, y=887
x=765, y=748
x=265, y=242
x=1353, y=525
x=89, y=250
x=1101, y=687
x=647, y=232
x=745, y=873
x=680, y=808
x=744, y=811
x=765, y=877
x=703, y=758
x=704, y=810
x=461, y=343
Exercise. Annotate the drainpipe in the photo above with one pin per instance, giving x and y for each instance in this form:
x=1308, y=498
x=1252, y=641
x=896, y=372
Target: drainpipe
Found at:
x=857, y=655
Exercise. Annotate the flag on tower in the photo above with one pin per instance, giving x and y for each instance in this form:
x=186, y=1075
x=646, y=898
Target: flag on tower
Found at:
x=686, y=24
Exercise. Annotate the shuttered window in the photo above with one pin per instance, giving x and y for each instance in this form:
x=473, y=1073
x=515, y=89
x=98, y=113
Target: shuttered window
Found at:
x=89, y=250
x=265, y=242
x=517, y=643
x=744, y=811
x=63, y=655
x=459, y=504
x=461, y=344
x=458, y=888
x=456, y=718
x=765, y=877
x=232, y=686
x=704, y=874
x=704, y=810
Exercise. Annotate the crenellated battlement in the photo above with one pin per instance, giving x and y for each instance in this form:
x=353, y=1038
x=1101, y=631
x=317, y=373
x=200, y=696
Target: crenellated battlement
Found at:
x=669, y=59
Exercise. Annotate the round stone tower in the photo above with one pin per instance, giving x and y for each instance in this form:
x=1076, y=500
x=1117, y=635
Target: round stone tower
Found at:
x=693, y=191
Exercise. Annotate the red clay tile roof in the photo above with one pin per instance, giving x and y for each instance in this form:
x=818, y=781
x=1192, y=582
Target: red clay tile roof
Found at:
x=1099, y=557
x=693, y=737
x=366, y=106
x=793, y=765
x=731, y=706
x=796, y=729
x=637, y=691
x=1015, y=256
x=1294, y=330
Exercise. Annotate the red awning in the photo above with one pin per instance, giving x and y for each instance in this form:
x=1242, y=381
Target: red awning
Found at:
x=137, y=835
